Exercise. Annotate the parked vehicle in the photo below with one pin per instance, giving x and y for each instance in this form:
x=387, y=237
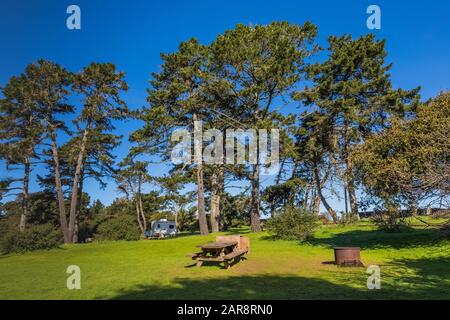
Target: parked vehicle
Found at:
x=161, y=229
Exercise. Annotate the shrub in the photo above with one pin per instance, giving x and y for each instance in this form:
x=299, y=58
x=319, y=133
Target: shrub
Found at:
x=86, y=231
x=324, y=219
x=292, y=224
x=8, y=224
x=390, y=219
x=239, y=222
x=347, y=219
x=36, y=237
x=121, y=227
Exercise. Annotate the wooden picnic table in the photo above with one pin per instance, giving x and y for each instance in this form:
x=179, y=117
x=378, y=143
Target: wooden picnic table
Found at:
x=223, y=250
x=217, y=249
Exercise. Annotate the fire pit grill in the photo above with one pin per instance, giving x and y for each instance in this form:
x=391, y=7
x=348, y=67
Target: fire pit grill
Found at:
x=348, y=256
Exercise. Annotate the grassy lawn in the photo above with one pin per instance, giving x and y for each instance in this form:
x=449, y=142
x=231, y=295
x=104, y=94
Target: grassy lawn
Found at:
x=414, y=264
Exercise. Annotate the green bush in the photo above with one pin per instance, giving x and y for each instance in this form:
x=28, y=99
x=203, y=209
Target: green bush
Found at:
x=390, y=219
x=239, y=222
x=86, y=231
x=292, y=224
x=347, y=219
x=36, y=237
x=121, y=227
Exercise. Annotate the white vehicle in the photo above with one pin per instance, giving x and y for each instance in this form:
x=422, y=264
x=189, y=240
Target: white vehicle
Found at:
x=161, y=229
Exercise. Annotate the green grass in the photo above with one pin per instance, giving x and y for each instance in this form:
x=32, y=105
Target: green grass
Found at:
x=414, y=265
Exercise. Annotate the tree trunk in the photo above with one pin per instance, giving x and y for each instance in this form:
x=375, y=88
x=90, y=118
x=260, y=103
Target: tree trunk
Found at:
x=291, y=198
x=221, y=183
x=345, y=197
x=349, y=175
x=138, y=216
x=144, y=221
x=177, y=210
x=277, y=181
x=75, y=232
x=200, y=187
x=352, y=196
x=306, y=199
x=254, y=214
x=316, y=205
x=25, y=194
x=215, y=202
x=80, y=199
x=139, y=208
x=59, y=192
x=76, y=179
x=319, y=192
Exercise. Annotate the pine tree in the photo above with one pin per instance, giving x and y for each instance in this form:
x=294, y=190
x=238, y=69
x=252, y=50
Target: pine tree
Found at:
x=130, y=178
x=176, y=99
x=20, y=133
x=259, y=65
x=100, y=86
x=52, y=83
x=353, y=91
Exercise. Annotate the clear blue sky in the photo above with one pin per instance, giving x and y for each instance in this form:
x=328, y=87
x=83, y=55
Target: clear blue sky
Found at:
x=132, y=34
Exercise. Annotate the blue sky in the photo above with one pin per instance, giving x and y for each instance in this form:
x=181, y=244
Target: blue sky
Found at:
x=132, y=35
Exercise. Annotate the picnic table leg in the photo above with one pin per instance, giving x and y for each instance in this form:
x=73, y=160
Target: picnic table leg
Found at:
x=199, y=263
x=226, y=264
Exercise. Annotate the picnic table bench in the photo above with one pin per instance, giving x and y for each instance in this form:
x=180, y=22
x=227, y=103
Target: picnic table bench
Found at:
x=226, y=249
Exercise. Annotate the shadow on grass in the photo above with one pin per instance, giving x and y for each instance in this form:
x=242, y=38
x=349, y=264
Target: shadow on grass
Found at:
x=429, y=280
x=241, y=231
x=187, y=234
x=243, y=287
x=4, y=255
x=216, y=264
x=376, y=239
x=271, y=237
x=435, y=270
